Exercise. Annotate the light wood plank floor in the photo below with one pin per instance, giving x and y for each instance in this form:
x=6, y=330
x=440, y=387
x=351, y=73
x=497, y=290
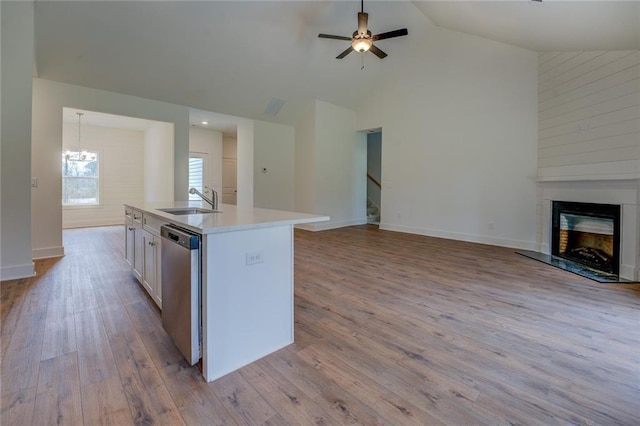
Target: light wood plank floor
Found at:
x=390, y=329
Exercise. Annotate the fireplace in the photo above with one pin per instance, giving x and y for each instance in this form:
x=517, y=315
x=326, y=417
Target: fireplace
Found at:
x=588, y=234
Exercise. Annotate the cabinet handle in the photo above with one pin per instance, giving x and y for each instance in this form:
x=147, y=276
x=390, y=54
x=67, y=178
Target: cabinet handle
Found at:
x=152, y=243
x=131, y=229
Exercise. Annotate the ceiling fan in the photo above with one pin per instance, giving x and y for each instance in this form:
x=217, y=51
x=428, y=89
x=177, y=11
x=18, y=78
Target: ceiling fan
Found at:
x=362, y=40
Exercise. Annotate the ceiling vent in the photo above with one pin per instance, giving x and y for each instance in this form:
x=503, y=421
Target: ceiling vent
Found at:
x=274, y=106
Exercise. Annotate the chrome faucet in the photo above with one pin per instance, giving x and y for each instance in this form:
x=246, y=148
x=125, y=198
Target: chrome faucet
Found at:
x=213, y=202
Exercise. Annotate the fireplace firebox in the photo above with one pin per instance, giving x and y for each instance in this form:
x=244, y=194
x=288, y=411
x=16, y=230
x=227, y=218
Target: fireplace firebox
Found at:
x=587, y=233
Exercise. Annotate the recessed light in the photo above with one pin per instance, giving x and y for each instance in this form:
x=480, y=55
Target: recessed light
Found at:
x=205, y=122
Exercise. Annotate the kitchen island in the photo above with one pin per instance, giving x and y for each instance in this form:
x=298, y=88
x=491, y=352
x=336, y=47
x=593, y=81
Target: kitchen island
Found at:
x=246, y=275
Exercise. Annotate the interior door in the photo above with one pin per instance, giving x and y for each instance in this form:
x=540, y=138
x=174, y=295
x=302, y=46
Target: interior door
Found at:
x=229, y=181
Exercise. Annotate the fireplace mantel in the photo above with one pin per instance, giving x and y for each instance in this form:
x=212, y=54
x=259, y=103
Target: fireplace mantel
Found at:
x=625, y=192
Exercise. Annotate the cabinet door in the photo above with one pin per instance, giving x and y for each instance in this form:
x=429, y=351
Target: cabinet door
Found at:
x=129, y=241
x=148, y=276
x=138, y=249
x=158, y=287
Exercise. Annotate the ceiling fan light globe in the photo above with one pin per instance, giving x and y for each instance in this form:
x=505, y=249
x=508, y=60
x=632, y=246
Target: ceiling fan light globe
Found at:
x=361, y=45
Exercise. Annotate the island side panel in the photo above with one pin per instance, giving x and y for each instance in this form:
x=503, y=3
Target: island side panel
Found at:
x=247, y=308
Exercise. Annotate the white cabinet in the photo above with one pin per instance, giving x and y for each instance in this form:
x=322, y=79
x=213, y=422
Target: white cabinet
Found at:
x=129, y=238
x=138, y=259
x=142, y=250
x=151, y=277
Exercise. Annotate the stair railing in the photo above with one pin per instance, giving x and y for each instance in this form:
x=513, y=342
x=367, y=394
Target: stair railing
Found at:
x=374, y=180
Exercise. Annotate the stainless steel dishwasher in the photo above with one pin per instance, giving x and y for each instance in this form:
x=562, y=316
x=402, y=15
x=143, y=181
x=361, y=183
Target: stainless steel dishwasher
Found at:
x=181, y=289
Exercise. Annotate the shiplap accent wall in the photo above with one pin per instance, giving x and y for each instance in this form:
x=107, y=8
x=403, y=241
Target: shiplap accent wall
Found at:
x=121, y=159
x=589, y=115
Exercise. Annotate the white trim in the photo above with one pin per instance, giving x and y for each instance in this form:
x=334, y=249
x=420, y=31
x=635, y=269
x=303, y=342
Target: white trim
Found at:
x=471, y=238
x=90, y=223
x=100, y=193
x=17, y=272
x=45, y=253
x=331, y=225
x=629, y=271
x=82, y=206
x=613, y=170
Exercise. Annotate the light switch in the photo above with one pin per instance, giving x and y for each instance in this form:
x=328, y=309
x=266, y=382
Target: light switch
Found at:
x=34, y=182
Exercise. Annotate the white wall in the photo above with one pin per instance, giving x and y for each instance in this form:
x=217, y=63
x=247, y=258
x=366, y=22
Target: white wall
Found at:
x=305, y=167
x=207, y=141
x=273, y=150
x=460, y=141
x=48, y=100
x=341, y=167
x=245, y=163
x=589, y=115
x=331, y=166
x=159, y=163
x=17, y=47
x=120, y=158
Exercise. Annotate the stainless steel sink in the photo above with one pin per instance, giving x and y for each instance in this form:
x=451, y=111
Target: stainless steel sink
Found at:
x=188, y=210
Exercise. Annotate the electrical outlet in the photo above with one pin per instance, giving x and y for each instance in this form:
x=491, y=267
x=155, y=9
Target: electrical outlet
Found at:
x=254, y=257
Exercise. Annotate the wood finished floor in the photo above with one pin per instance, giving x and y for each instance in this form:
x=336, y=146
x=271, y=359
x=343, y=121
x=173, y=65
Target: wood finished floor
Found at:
x=390, y=329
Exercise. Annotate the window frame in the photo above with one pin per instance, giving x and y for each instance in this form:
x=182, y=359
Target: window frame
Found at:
x=97, y=179
x=205, y=170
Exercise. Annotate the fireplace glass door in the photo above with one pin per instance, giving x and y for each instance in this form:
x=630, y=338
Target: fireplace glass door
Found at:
x=587, y=234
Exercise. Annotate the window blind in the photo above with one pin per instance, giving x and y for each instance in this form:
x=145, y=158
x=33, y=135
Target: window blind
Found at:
x=196, y=176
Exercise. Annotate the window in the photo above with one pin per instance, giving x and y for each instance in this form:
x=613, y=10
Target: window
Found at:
x=80, y=178
x=196, y=175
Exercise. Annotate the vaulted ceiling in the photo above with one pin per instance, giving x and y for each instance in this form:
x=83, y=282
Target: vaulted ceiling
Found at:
x=233, y=57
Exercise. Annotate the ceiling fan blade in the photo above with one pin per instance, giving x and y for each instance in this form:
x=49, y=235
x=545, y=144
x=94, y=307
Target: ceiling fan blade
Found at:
x=379, y=53
x=335, y=37
x=345, y=53
x=363, y=19
x=390, y=34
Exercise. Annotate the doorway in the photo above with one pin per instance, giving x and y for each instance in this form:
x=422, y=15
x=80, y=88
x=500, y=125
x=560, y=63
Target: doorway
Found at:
x=374, y=176
x=229, y=170
x=229, y=181
x=108, y=160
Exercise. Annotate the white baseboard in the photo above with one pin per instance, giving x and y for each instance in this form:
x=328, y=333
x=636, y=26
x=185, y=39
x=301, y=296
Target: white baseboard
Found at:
x=17, y=272
x=45, y=253
x=324, y=226
x=629, y=272
x=481, y=239
x=304, y=226
x=91, y=223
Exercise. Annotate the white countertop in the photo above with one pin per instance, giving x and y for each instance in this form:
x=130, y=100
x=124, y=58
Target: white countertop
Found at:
x=230, y=218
